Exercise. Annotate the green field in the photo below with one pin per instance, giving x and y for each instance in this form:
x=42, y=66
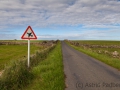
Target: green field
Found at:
x=49, y=74
x=20, y=40
x=105, y=51
x=14, y=52
x=46, y=72
x=98, y=42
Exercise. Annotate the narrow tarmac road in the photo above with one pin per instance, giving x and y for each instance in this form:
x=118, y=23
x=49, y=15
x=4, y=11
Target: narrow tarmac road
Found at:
x=85, y=73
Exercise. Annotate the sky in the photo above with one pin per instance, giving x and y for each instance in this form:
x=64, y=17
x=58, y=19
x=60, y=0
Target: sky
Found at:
x=61, y=19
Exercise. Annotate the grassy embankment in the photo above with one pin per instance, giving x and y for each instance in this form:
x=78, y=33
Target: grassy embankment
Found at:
x=14, y=52
x=102, y=56
x=43, y=74
x=48, y=74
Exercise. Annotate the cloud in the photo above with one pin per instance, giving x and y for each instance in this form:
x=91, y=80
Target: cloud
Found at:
x=84, y=35
x=9, y=36
x=69, y=12
x=44, y=13
x=101, y=26
x=72, y=35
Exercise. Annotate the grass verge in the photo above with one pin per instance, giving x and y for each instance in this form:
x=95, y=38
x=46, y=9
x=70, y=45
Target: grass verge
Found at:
x=17, y=75
x=114, y=62
x=48, y=74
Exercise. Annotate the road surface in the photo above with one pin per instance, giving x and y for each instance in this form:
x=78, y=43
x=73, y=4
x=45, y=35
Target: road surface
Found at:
x=86, y=73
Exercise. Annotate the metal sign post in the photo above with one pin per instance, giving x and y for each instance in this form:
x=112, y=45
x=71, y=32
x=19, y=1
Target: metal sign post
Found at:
x=29, y=34
x=28, y=53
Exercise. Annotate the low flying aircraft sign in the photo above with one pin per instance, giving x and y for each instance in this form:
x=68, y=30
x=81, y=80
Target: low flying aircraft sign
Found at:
x=29, y=34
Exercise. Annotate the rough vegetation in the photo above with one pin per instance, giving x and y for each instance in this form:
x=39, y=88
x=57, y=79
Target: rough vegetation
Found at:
x=17, y=75
x=45, y=43
x=110, y=49
x=105, y=51
x=14, y=50
x=48, y=74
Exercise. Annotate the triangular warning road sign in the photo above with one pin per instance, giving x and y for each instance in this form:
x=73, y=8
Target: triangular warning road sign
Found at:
x=29, y=34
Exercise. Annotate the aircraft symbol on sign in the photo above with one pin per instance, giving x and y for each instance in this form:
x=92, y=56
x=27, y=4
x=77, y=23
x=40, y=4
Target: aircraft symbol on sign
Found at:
x=30, y=34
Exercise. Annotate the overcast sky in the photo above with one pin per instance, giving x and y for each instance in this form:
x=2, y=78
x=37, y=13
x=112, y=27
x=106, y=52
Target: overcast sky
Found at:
x=61, y=19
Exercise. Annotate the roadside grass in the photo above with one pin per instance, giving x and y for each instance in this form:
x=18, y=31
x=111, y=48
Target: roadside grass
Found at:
x=14, y=52
x=48, y=74
x=98, y=42
x=113, y=46
x=114, y=62
x=17, y=75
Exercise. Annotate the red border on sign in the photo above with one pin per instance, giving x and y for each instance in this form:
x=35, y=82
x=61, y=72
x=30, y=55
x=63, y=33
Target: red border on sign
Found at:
x=26, y=32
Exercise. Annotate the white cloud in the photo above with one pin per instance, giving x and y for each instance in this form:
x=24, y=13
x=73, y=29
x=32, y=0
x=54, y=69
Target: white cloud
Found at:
x=70, y=12
x=43, y=13
x=101, y=26
x=85, y=35
x=9, y=36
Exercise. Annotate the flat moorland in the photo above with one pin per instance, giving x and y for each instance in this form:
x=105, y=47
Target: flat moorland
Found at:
x=14, y=52
x=105, y=51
